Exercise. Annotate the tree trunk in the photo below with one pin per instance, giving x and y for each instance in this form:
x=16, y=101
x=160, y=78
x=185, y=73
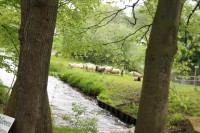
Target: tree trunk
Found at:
x=29, y=102
x=162, y=47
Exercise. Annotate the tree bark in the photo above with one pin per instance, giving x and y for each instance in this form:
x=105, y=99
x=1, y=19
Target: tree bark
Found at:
x=29, y=102
x=162, y=47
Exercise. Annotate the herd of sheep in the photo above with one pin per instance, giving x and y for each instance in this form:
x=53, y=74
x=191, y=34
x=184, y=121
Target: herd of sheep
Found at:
x=105, y=69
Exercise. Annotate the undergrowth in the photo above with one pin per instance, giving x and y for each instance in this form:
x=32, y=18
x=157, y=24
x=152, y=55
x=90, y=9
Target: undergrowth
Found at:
x=3, y=97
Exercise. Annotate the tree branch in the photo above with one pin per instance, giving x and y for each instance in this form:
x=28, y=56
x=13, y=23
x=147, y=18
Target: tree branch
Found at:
x=188, y=20
x=98, y=25
x=148, y=10
x=124, y=39
x=144, y=35
x=133, y=11
x=64, y=3
x=13, y=42
x=112, y=16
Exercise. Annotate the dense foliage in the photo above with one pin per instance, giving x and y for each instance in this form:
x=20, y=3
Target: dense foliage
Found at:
x=3, y=97
x=9, y=26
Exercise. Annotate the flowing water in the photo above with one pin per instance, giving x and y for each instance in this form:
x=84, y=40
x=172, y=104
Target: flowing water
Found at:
x=61, y=97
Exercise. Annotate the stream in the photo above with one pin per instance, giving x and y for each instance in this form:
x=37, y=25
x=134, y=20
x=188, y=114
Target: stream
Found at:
x=61, y=97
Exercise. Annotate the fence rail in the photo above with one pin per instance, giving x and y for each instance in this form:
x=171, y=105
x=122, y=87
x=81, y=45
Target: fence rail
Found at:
x=193, y=80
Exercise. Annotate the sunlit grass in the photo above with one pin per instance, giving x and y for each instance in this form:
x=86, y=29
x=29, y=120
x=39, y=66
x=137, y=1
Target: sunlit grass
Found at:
x=115, y=90
x=108, y=85
x=66, y=130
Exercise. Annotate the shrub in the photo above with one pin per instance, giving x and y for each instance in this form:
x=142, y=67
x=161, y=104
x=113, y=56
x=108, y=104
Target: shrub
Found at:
x=77, y=120
x=3, y=96
x=176, y=118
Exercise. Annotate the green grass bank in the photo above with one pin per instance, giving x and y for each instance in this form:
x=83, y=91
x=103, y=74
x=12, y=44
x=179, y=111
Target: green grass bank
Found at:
x=124, y=93
x=66, y=130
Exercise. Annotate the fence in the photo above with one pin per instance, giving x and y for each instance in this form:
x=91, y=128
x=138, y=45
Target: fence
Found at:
x=193, y=80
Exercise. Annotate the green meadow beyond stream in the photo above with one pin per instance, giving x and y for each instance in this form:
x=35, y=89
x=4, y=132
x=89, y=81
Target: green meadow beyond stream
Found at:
x=61, y=98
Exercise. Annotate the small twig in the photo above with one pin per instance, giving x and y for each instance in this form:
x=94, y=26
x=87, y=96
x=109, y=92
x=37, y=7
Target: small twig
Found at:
x=148, y=10
x=144, y=35
x=64, y=3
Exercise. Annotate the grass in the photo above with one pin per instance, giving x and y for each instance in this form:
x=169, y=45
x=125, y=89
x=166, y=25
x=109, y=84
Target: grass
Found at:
x=66, y=130
x=115, y=90
x=184, y=101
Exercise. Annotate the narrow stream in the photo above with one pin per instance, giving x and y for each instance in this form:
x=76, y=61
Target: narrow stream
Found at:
x=61, y=97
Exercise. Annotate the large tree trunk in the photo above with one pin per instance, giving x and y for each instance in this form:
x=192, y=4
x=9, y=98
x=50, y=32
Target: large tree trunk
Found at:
x=162, y=47
x=29, y=102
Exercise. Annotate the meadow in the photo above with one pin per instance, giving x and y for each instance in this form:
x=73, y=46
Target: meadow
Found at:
x=121, y=92
x=124, y=92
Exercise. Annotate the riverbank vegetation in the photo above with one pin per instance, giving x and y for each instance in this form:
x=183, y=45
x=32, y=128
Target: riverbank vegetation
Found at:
x=124, y=92
x=3, y=97
x=66, y=130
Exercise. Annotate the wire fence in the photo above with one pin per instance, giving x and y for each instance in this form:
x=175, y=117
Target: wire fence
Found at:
x=193, y=80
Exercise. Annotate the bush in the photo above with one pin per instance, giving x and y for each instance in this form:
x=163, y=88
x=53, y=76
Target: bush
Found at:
x=176, y=118
x=179, y=102
x=3, y=96
x=77, y=120
x=55, y=67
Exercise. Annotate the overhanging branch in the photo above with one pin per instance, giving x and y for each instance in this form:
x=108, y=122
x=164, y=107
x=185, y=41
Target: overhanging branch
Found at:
x=150, y=13
x=188, y=20
x=64, y=3
x=125, y=38
x=112, y=16
x=13, y=42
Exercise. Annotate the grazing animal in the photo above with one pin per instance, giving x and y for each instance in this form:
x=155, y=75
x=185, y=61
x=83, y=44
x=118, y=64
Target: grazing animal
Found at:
x=86, y=64
x=90, y=67
x=136, y=74
x=137, y=79
x=108, y=69
x=131, y=73
x=79, y=65
x=117, y=71
x=74, y=65
x=100, y=69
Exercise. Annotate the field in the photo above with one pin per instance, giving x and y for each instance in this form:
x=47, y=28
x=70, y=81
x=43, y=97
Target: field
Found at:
x=124, y=93
x=121, y=92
